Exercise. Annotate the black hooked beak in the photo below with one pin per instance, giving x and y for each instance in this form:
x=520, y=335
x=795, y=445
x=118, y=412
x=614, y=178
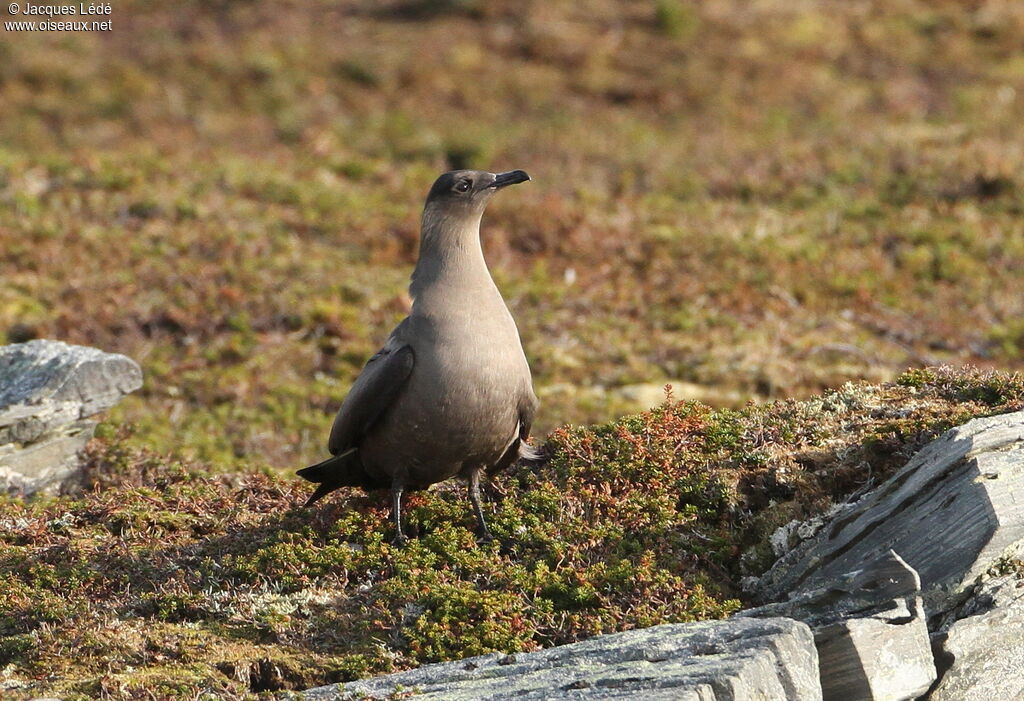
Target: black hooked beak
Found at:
x=510, y=178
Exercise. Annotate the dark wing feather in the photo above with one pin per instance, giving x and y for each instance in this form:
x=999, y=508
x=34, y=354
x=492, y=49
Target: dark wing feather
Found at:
x=373, y=391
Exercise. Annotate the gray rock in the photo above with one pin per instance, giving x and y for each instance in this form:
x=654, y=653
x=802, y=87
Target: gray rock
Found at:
x=885, y=655
x=49, y=465
x=982, y=654
x=733, y=660
x=955, y=509
x=870, y=632
x=48, y=391
x=787, y=537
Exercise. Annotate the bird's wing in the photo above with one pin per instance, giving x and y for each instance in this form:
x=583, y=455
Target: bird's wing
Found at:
x=373, y=391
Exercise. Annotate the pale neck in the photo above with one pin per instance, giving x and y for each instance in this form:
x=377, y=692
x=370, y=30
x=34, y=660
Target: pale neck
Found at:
x=450, y=254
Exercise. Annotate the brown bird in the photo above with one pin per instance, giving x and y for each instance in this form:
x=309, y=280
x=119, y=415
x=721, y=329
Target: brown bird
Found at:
x=450, y=393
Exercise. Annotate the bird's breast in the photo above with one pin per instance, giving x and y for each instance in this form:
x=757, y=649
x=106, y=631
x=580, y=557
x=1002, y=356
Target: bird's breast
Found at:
x=468, y=376
x=459, y=407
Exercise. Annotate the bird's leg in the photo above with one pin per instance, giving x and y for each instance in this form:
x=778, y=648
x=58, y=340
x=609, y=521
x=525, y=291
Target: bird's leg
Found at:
x=396, y=514
x=484, y=533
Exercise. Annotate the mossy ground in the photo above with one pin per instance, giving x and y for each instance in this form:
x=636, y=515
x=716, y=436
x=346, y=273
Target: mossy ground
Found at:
x=165, y=581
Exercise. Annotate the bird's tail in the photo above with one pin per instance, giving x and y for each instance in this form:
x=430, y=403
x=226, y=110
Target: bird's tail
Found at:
x=329, y=475
x=531, y=455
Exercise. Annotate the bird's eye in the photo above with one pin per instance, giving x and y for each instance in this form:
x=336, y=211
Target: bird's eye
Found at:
x=462, y=186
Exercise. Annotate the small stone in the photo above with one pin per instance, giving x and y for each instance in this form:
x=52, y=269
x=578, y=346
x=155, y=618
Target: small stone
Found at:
x=883, y=656
x=48, y=393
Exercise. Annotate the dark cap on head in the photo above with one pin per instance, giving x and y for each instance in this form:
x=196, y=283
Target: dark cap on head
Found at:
x=472, y=185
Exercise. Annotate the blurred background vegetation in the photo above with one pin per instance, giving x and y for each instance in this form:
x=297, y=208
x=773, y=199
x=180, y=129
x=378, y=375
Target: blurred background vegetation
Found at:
x=753, y=199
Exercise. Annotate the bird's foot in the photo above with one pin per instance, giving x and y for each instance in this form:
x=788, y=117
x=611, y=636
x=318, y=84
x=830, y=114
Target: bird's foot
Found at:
x=400, y=540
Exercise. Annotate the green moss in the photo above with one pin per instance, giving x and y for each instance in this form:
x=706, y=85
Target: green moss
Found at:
x=916, y=378
x=164, y=580
x=990, y=388
x=172, y=608
x=15, y=648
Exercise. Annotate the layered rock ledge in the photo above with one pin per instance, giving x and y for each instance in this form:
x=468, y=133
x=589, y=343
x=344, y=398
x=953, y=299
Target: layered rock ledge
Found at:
x=735, y=660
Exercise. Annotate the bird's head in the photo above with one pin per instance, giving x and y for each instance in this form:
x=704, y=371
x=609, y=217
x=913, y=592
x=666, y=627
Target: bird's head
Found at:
x=465, y=193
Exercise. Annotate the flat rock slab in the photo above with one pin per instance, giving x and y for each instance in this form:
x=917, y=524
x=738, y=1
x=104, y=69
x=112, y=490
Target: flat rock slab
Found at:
x=955, y=509
x=48, y=391
x=734, y=660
